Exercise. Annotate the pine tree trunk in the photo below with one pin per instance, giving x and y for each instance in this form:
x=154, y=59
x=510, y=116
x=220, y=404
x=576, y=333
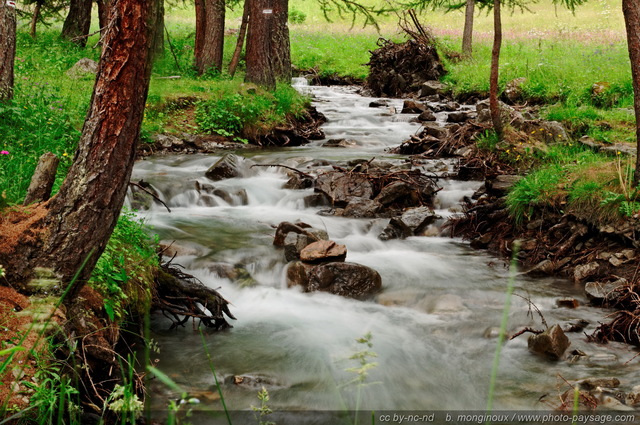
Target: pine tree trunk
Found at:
x=280, y=43
x=76, y=25
x=83, y=214
x=631, y=12
x=259, y=70
x=158, y=38
x=494, y=105
x=240, y=42
x=467, y=34
x=34, y=19
x=7, y=49
x=209, y=35
x=104, y=6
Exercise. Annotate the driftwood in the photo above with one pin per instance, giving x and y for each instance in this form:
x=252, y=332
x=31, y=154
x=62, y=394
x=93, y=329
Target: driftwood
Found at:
x=180, y=297
x=43, y=179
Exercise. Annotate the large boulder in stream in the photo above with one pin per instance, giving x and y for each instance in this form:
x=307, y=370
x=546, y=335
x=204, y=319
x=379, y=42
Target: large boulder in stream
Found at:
x=229, y=166
x=341, y=187
x=339, y=278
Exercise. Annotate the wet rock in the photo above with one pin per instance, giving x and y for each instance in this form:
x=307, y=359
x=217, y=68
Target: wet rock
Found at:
x=294, y=243
x=378, y=103
x=341, y=187
x=604, y=292
x=459, y=116
x=500, y=185
x=568, y=303
x=513, y=90
x=254, y=381
x=171, y=249
x=413, y=107
x=431, y=88
x=298, y=181
x=345, y=279
x=229, y=166
x=584, y=271
x=593, y=383
x=417, y=219
x=427, y=115
x=575, y=326
x=169, y=142
x=143, y=196
x=551, y=344
x=396, y=229
x=435, y=130
x=481, y=241
x=223, y=270
x=393, y=192
x=323, y=250
x=340, y=143
x=362, y=208
x=83, y=67
x=316, y=200
x=442, y=304
x=492, y=332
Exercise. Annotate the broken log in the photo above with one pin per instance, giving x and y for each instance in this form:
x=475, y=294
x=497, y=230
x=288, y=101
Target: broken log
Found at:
x=43, y=178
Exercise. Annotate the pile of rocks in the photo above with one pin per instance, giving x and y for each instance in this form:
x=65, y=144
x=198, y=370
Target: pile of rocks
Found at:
x=318, y=264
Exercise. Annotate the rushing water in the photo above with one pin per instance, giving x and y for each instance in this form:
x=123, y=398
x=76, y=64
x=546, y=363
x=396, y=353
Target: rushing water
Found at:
x=428, y=326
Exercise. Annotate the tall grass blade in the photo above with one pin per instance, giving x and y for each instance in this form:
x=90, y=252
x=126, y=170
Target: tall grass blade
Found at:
x=215, y=377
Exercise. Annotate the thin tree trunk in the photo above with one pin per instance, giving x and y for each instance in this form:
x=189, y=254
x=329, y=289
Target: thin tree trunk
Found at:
x=76, y=25
x=34, y=19
x=209, y=35
x=467, y=34
x=104, y=6
x=7, y=49
x=494, y=105
x=259, y=69
x=280, y=43
x=240, y=43
x=631, y=12
x=43, y=179
x=83, y=214
x=158, y=39
x=201, y=27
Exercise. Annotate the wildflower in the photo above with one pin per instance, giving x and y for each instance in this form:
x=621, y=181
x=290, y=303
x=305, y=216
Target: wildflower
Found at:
x=65, y=154
x=4, y=152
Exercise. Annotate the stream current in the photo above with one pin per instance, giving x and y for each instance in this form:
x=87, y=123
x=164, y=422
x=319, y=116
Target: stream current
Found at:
x=431, y=327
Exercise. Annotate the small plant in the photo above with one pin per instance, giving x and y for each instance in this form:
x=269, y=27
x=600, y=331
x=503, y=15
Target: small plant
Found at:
x=541, y=186
x=488, y=140
x=627, y=199
x=124, y=272
x=296, y=16
x=264, y=410
x=124, y=402
x=364, y=365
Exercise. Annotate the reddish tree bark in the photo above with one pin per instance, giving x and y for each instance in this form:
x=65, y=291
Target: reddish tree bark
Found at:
x=467, y=34
x=35, y=18
x=280, y=44
x=259, y=69
x=494, y=105
x=631, y=12
x=76, y=25
x=81, y=217
x=209, y=35
x=7, y=49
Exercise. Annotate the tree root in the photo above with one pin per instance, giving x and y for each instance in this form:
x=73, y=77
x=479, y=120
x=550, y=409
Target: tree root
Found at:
x=181, y=296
